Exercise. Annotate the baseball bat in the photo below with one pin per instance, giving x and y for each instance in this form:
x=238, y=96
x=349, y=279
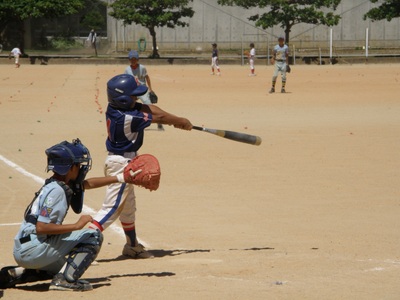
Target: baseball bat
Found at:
x=232, y=135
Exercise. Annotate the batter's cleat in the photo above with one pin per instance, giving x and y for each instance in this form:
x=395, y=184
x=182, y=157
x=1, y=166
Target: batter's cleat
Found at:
x=283, y=90
x=59, y=283
x=136, y=252
x=212, y=73
x=272, y=90
x=251, y=74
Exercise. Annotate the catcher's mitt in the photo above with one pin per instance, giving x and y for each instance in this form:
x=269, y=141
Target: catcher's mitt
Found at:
x=148, y=177
x=288, y=69
x=153, y=97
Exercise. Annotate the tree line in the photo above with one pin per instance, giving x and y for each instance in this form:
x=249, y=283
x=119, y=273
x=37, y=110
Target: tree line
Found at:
x=152, y=14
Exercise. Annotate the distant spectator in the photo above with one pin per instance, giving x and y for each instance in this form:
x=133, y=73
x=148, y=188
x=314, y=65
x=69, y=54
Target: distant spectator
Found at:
x=92, y=39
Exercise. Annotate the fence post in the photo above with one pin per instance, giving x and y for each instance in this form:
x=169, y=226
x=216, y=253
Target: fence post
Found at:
x=294, y=54
x=330, y=45
x=320, y=57
x=366, y=44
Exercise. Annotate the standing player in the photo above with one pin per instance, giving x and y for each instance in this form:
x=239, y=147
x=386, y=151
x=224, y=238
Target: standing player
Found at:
x=142, y=78
x=281, y=59
x=16, y=53
x=214, y=60
x=252, y=56
x=43, y=241
x=126, y=122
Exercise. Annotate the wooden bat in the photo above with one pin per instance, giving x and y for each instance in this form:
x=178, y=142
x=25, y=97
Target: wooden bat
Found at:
x=232, y=135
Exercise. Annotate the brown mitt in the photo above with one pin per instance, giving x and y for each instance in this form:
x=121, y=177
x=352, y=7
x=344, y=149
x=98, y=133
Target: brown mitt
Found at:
x=288, y=69
x=148, y=177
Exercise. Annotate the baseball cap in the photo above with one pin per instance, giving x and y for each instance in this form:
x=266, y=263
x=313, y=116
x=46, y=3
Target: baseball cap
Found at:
x=133, y=54
x=214, y=44
x=281, y=37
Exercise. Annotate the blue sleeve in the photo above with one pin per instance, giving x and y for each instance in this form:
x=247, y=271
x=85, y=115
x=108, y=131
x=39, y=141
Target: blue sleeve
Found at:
x=139, y=120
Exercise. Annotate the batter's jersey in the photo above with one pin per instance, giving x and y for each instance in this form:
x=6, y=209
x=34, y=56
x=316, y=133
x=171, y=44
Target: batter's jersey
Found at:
x=139, y=73
x=51, y=206
x=126, y=129
x=281, y=52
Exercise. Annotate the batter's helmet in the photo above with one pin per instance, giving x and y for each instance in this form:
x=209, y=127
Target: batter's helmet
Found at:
x=120, y=88
x=61, y=157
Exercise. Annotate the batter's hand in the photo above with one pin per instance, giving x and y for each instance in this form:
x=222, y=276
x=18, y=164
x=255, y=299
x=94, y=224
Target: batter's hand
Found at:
x=184, y=124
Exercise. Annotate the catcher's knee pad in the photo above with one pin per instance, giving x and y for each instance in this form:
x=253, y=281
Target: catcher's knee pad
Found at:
x=81, y=258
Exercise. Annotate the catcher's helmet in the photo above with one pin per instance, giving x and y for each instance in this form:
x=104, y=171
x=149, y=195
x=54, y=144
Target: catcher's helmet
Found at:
x=120, y=88
x=61, y=157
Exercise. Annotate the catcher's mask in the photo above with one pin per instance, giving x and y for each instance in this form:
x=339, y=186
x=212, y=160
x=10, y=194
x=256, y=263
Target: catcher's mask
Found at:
x=120, y=88
x=60, y=159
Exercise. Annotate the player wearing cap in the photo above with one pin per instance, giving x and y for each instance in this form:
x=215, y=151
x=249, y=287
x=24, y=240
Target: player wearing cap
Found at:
x=280, y=59
x=139, y=71
x=214, y=60
x=252, y=56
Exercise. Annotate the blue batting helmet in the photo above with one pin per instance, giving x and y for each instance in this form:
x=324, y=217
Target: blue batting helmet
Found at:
x=120, y=88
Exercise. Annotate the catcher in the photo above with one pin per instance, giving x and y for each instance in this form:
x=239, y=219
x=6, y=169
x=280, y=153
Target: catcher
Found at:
x=44, y=247
x=126, y=122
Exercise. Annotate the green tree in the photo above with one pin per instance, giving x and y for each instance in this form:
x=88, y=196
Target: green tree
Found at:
x=151, y=14
x=388, y=10
x=288, y=13
x=16, y=11
x=92, y=14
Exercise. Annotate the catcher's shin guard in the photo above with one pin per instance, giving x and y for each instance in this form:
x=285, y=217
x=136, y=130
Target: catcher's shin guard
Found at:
x=81, y=258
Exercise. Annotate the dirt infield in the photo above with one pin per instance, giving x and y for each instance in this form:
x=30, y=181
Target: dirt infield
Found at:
x=311, y=213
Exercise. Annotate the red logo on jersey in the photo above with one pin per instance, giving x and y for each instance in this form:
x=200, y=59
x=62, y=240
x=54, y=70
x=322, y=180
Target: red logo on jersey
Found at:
x=108, y=128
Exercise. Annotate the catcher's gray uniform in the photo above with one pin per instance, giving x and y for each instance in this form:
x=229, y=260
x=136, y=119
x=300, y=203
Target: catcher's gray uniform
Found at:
x=48, y=252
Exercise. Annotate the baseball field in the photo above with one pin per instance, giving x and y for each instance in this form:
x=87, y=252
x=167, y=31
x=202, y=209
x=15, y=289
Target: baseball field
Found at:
x=311, y=213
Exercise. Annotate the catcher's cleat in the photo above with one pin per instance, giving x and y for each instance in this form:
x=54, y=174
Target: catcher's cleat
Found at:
x=59, y=283
x=283, y=91
x=8, y=277
x=272, y=90
x=136, y=252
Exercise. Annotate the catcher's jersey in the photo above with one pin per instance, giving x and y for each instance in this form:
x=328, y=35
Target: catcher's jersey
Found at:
x=126, y=129
x=51, y=206
x=139, y=73
x=281, y=52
